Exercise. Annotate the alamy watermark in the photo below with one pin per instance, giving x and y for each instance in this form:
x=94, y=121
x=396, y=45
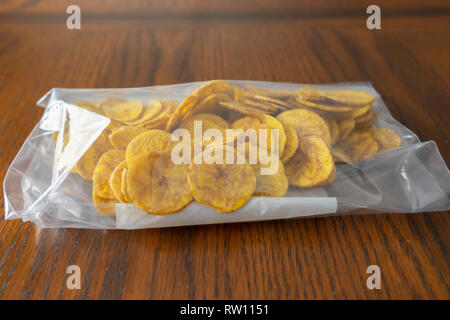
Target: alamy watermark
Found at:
x=237, y=147
x=74, y=280
x=74, y=20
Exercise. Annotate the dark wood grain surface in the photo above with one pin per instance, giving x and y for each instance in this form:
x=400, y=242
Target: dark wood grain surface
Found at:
x=407, y=61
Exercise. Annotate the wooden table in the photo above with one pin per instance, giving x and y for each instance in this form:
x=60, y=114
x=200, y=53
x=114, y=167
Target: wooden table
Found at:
x=324, y=258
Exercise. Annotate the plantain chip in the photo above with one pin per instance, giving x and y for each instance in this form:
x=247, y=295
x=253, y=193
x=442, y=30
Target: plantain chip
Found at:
x=306, y=123
x=348, y=97
x=102, y=173
x=266, y=122
x=157, y=185
x=387, y=138
x=121, y=136
x=86, y=165
x=124, y=186
x=334, y=131
x=366, y=120
x=161, y=119
x=321, y=107
x=211, y=104
x=278, y=94
x=270, y=185
x=124, y=111
x=311, y=165
x=346, y=127
x=358, y=112
x=113, y=125
x=152, y=109
x=224, y=187
x=103, y=205
x=291, y=143
x=190, y=104
x=218, y=120
x=360, y=145
x=244, y=109
x=155, y=140
x=115, y=181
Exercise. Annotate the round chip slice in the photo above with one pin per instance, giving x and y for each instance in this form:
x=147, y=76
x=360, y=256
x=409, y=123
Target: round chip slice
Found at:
x=346, y=127
x=270, y=185
x=211, y=104
x=121, y=136
x=334, y=131
x=124, y=186
x=103, y=205
x=306, y=123
x=157, y=185
x=386, y=138
x=124, y=111
x=355, y=98
x=222, y=123
x=150, y=111
x=115, y=181
x=157, y=141
x=86, y=165
x=224, y=187
x=189, y=105
x=265, y=122
x=361, y=145
x=366, y=120
x=105, y=166
x=311, y=165
x=291, y=143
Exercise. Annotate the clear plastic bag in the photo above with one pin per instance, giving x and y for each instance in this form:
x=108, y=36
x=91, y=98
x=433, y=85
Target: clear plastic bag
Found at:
x=40, y=187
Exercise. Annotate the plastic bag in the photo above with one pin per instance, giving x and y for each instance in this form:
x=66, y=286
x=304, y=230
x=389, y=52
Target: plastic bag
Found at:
x=40, y=187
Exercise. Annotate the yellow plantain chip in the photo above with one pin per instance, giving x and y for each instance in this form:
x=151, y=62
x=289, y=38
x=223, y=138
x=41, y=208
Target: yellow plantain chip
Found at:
x=124, y=186
x=311, y=165
x=161, y=119
x=115, y=181
x=224, y=187
x=366, y=120
x=157, y=185
x=189, y=105
x=346, y=127
x=331, y=178
x=105, y=166
x=219, y=121
x=344, y=97
x=121, y=136
x=270, y=185
x=157, y=141
x=103, y=205
x=151, y=110
x=360, y=145
x=334, y=131
x=358, y=112
x=113, y=125
x=306, y=123
x=278, y=94
x=211, y=104
x=323, y=107
x=124, y=111
x=387, y=138
x=266, y=122
x=87, y=163
x=355, y=98
x=291, y=143
x=244, y=109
